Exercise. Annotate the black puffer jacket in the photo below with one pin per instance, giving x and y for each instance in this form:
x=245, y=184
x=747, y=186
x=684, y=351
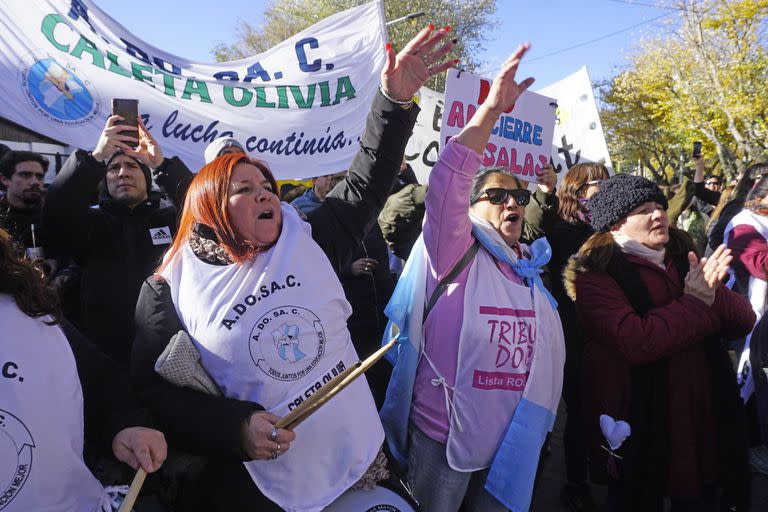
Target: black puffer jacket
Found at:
x=109, y=402
x=566, y=238
x=116, y=247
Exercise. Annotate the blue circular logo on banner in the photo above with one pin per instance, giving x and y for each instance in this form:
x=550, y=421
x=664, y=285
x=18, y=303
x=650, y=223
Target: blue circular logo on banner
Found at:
x=58, y=94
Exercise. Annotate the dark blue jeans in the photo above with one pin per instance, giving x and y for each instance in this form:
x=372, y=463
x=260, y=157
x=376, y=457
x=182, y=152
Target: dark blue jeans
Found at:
x=439, y=488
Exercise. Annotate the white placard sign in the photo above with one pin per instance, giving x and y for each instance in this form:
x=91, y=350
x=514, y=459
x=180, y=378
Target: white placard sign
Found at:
x=578, y=132
x=300, y=106
x=423, y=147
x=522, y=138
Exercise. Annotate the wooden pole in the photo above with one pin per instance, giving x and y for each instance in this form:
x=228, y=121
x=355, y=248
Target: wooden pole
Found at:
x=133, y=491
x=341, y=381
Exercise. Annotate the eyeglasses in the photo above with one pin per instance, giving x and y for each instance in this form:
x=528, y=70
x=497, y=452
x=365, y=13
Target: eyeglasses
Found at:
x=501, y=195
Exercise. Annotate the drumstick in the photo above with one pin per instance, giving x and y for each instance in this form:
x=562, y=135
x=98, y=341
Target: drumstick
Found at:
x=291, y=420
x=308, y=407
x=133, y=491
x=309, y=404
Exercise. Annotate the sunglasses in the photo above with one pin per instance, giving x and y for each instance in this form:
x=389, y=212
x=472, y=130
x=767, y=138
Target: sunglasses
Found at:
x=501, y=195
x=712, y=183
x=591, y=183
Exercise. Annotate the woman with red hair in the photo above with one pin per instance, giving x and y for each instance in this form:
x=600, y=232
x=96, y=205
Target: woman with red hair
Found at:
x=256, y=289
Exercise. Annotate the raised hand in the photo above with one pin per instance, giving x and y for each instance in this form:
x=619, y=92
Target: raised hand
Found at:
x=547, y=179
x=505, y=90
x=148, y=151
x=503, y=94
x=405, y=72
x=112, y=139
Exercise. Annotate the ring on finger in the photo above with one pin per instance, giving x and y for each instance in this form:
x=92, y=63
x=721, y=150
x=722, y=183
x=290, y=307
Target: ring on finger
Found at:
x=277, y=450
x=275, y=454
x=273, y=434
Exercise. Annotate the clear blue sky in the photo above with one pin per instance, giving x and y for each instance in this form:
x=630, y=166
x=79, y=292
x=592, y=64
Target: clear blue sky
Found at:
x=192, y=28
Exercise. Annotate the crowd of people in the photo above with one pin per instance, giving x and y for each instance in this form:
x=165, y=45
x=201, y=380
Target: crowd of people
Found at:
x=161, y=319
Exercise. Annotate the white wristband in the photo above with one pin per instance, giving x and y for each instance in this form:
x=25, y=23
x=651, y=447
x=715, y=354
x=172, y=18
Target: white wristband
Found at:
x=404, y=104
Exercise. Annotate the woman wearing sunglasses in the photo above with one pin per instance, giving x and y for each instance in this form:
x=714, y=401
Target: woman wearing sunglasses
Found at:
x=471, y=400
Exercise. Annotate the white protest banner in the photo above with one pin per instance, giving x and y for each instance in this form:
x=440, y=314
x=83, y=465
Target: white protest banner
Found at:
x=578, y=132
x=522, y=138
x=423, y=147
x=300, y=106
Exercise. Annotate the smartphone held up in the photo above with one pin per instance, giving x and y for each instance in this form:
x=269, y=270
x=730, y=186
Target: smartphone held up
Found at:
x=696, y=149
x=128, y=109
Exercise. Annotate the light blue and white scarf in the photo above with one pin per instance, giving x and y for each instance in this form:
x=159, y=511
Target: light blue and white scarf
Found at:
x=529, y=268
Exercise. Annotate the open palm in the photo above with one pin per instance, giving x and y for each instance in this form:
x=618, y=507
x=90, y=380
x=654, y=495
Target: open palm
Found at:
x=405, y=72
x=505, y=90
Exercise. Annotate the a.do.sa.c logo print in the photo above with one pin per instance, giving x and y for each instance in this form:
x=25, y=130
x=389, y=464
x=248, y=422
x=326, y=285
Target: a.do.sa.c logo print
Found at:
x=287, y=342
x=16, y=445
x=56, y=92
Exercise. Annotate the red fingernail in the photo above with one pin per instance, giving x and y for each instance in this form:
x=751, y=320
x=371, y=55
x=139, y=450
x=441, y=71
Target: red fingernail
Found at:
x=431, y=26
x=389, y=46
x=447, y=28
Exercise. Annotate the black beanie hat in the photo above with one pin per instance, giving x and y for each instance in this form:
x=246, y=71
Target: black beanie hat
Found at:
x=144, y=168
x=618, y=196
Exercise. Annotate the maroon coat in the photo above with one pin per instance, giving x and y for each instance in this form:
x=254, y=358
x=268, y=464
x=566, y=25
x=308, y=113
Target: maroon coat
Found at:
x=616, y=338
x=750, y=252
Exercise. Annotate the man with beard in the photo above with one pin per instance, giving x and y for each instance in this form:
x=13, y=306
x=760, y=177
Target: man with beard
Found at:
x=21, y=210
x=22, y=173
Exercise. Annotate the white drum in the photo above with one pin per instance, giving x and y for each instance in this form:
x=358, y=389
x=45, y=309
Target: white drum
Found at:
x=378, y=499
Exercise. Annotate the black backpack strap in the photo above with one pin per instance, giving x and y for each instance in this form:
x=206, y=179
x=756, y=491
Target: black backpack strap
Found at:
x=452, y=275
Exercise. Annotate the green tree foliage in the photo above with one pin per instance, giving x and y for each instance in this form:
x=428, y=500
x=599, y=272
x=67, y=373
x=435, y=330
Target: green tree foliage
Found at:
x=471, y=20
x=704, y=81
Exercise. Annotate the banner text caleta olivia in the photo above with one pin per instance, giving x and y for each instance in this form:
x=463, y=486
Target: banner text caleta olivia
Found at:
x=168, y=77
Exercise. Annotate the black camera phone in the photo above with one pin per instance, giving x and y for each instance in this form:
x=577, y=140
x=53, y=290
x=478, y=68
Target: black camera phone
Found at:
x=696, y=149
x=129, y=111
